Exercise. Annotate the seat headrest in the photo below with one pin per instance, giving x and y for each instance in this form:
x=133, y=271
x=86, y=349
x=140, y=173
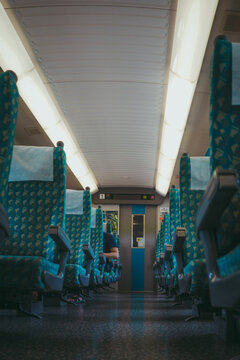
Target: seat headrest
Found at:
x=74, y=202
x=200, y=172
x=31, y=163
x=93, y=217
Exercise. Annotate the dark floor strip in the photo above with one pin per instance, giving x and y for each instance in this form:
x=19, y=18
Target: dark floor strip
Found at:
x=113, y=326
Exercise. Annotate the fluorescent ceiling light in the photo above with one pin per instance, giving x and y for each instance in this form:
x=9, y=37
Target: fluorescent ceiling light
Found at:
x=171, y=140
x=179, y=98
x=13, y=56
x=165, y=165
x=192, y=28
x=194, y=20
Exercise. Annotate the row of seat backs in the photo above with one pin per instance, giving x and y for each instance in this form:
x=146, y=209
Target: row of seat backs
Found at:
x=97, y=236
x=224, y=153
x=78, y=230
x=157, y=248
x=189, y=203
x=174, y=215
x=9, y=98
x=164, y=237
x=225, y=139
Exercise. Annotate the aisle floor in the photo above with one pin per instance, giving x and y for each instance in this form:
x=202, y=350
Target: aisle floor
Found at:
x=113, y=326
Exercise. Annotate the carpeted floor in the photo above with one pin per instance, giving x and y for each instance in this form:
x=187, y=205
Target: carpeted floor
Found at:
x=111, y=327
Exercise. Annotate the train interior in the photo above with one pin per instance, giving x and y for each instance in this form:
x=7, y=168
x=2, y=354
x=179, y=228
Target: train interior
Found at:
x=119, y=179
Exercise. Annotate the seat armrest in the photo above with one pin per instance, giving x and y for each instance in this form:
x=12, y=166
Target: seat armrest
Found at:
x=55, y=282
x=168, y=251
x=88, y=251
x=219, y=192
x=60, y=237
x=102, y=258
x=178, y=240
x=4, y=223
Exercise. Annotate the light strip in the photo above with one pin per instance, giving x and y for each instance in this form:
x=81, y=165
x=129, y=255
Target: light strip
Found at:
x=194, y=20
x=13, y=56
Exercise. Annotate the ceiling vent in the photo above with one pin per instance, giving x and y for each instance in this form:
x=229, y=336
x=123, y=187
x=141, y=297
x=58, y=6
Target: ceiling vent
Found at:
x=32, y=131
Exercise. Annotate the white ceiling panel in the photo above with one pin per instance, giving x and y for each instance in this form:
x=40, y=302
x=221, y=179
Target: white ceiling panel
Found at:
x=106, y=64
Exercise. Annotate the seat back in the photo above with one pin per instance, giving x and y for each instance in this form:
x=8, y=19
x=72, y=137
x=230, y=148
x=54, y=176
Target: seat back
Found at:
x=157, y=249
x=97, y=235
x=189, y=203
x=174, y=214
x=174, y=211
x=164, y=233
x=32, y=207
x=8, y=118
x=225, y=135
x=78, y=221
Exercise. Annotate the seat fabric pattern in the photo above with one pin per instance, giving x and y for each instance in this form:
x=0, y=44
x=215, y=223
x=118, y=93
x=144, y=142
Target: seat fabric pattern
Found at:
x=9, y=98
x=229, y=263
x=32, y=207
x=166, y=231
x=189, y=203
x=199, y=279
x=162, y=238
x=175, y=218
x=24, y=273
x=225, y=145
x=97, y=240
x=78, y=230
x=157, y=249
x=166, y=238
x=71, y=278
x=194, y=259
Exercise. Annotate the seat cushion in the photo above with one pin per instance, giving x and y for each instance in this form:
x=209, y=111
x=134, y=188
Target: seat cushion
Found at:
x=71, y=278
x=24, y=272
x=229, y=263
x=198, y=271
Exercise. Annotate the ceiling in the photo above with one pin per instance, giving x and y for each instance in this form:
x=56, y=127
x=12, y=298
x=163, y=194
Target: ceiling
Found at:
x=107, y=64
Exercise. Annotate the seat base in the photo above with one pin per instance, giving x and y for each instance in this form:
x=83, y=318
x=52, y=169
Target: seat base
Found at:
x=228, y=326
x=84, y=280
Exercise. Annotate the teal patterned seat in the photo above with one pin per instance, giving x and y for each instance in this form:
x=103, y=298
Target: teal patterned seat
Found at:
x=225, y=152
x=29, y=252
x=8, y=118
x=156, y=265
x=193, y=253
x=157, y=247
x=78, y=230
x=175, y=221
x=164, y=239
x=97, y=246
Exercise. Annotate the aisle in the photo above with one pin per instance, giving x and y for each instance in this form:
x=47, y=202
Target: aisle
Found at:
x=112, y=327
